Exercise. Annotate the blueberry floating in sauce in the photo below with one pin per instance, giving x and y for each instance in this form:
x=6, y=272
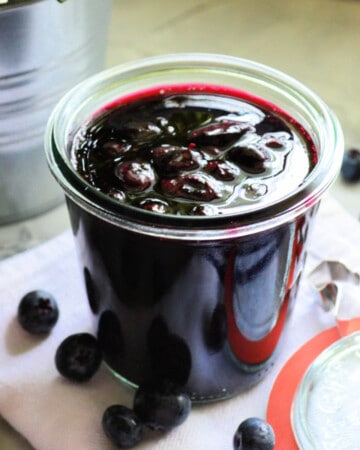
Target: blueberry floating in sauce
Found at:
x=154, y=205
x=172, y=160
x=141, y=132
x=252, y=159
x=222, y=170
x=220, y=134
x=113, y=149
x=192, y=187
x=135, y=176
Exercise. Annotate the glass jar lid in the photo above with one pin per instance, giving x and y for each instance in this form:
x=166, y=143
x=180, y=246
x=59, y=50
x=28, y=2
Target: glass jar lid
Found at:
x=326, y=407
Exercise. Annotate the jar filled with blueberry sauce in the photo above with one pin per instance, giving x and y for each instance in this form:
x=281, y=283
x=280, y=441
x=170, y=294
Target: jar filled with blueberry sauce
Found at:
x=192, y=181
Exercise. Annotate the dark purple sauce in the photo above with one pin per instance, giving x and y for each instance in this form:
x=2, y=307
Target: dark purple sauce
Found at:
x=193, y=152
x=206, y=315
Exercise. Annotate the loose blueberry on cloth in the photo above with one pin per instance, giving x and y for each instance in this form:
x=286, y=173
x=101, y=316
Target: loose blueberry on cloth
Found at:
x=254, y=434
x=54, y=413
x=350, y=169
x=38, y=312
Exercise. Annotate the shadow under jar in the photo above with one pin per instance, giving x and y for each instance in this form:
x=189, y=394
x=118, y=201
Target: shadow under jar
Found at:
x=198, y=290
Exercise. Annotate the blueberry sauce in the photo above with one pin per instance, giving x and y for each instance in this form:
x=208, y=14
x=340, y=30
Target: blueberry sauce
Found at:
x=192, y=152
x=204, y=315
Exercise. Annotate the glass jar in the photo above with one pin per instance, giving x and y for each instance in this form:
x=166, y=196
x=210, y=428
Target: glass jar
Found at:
x=200, y=300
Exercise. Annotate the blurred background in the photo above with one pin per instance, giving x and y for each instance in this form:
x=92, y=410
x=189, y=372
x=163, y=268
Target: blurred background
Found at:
x=315, y=41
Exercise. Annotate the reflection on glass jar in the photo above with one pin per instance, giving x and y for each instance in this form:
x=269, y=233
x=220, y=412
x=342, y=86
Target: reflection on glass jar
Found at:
x=205, y=316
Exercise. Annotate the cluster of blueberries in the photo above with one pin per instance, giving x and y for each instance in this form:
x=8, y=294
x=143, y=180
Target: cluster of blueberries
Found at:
x=158, y=406
x=350, y=169
x=178, y=153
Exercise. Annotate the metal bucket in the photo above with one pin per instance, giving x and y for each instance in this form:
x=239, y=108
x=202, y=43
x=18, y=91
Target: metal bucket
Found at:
x=46, y=47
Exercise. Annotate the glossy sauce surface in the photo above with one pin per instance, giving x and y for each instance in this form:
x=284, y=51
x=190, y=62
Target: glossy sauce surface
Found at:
x=199, y=150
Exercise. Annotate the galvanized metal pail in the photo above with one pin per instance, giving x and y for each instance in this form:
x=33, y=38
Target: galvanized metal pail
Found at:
x=46, y=47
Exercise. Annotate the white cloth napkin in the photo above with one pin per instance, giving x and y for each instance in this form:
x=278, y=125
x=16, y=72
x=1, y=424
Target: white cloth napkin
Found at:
x=54, y=414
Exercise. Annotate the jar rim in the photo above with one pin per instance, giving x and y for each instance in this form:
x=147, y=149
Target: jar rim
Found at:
x=195, y=227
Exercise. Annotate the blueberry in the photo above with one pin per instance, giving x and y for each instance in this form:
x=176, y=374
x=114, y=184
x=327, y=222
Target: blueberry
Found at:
x=251, y=159
x=169, y=354
x=38, y=312
x=154, y=205
x=222, y=170
x=254, y=434
x=117, y=194
x=135, y=176
x=271, y=124
x=141, y=132
x=113, y=149
x=350, y=169
x=172, y=160
x=191, y=187
x=78, y=357
x=122, y=426
x=161, y=405
x=220, y=133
